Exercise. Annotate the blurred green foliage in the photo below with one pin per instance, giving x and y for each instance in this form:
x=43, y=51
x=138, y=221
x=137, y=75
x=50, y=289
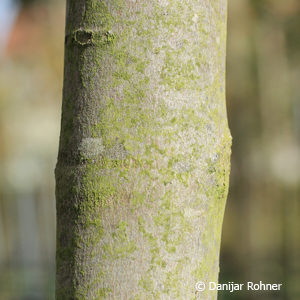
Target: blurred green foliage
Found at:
x=261, y=226
x=25, y=3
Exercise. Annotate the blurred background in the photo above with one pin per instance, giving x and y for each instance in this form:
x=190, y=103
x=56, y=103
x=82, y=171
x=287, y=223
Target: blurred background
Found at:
x=261, y=239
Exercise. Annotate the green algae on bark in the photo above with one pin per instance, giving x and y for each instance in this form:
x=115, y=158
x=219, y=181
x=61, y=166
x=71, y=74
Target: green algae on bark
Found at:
x=143, y=164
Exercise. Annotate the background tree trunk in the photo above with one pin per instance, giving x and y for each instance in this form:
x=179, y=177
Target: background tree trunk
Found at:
x=143, y=164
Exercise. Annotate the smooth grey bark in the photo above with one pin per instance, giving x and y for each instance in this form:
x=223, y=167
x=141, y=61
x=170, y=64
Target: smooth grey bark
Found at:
x=143, y=164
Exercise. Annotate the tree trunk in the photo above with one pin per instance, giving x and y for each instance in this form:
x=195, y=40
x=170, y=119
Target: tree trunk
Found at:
x=143, y=164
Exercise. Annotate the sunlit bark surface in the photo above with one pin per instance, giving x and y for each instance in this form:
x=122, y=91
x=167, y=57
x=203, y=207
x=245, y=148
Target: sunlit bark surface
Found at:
x=143, y=164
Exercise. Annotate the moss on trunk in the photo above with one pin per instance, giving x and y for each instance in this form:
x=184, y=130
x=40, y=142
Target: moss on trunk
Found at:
x=143, y=164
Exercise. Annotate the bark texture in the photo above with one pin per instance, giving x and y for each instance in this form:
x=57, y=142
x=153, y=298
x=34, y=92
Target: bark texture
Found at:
x=143, y=164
